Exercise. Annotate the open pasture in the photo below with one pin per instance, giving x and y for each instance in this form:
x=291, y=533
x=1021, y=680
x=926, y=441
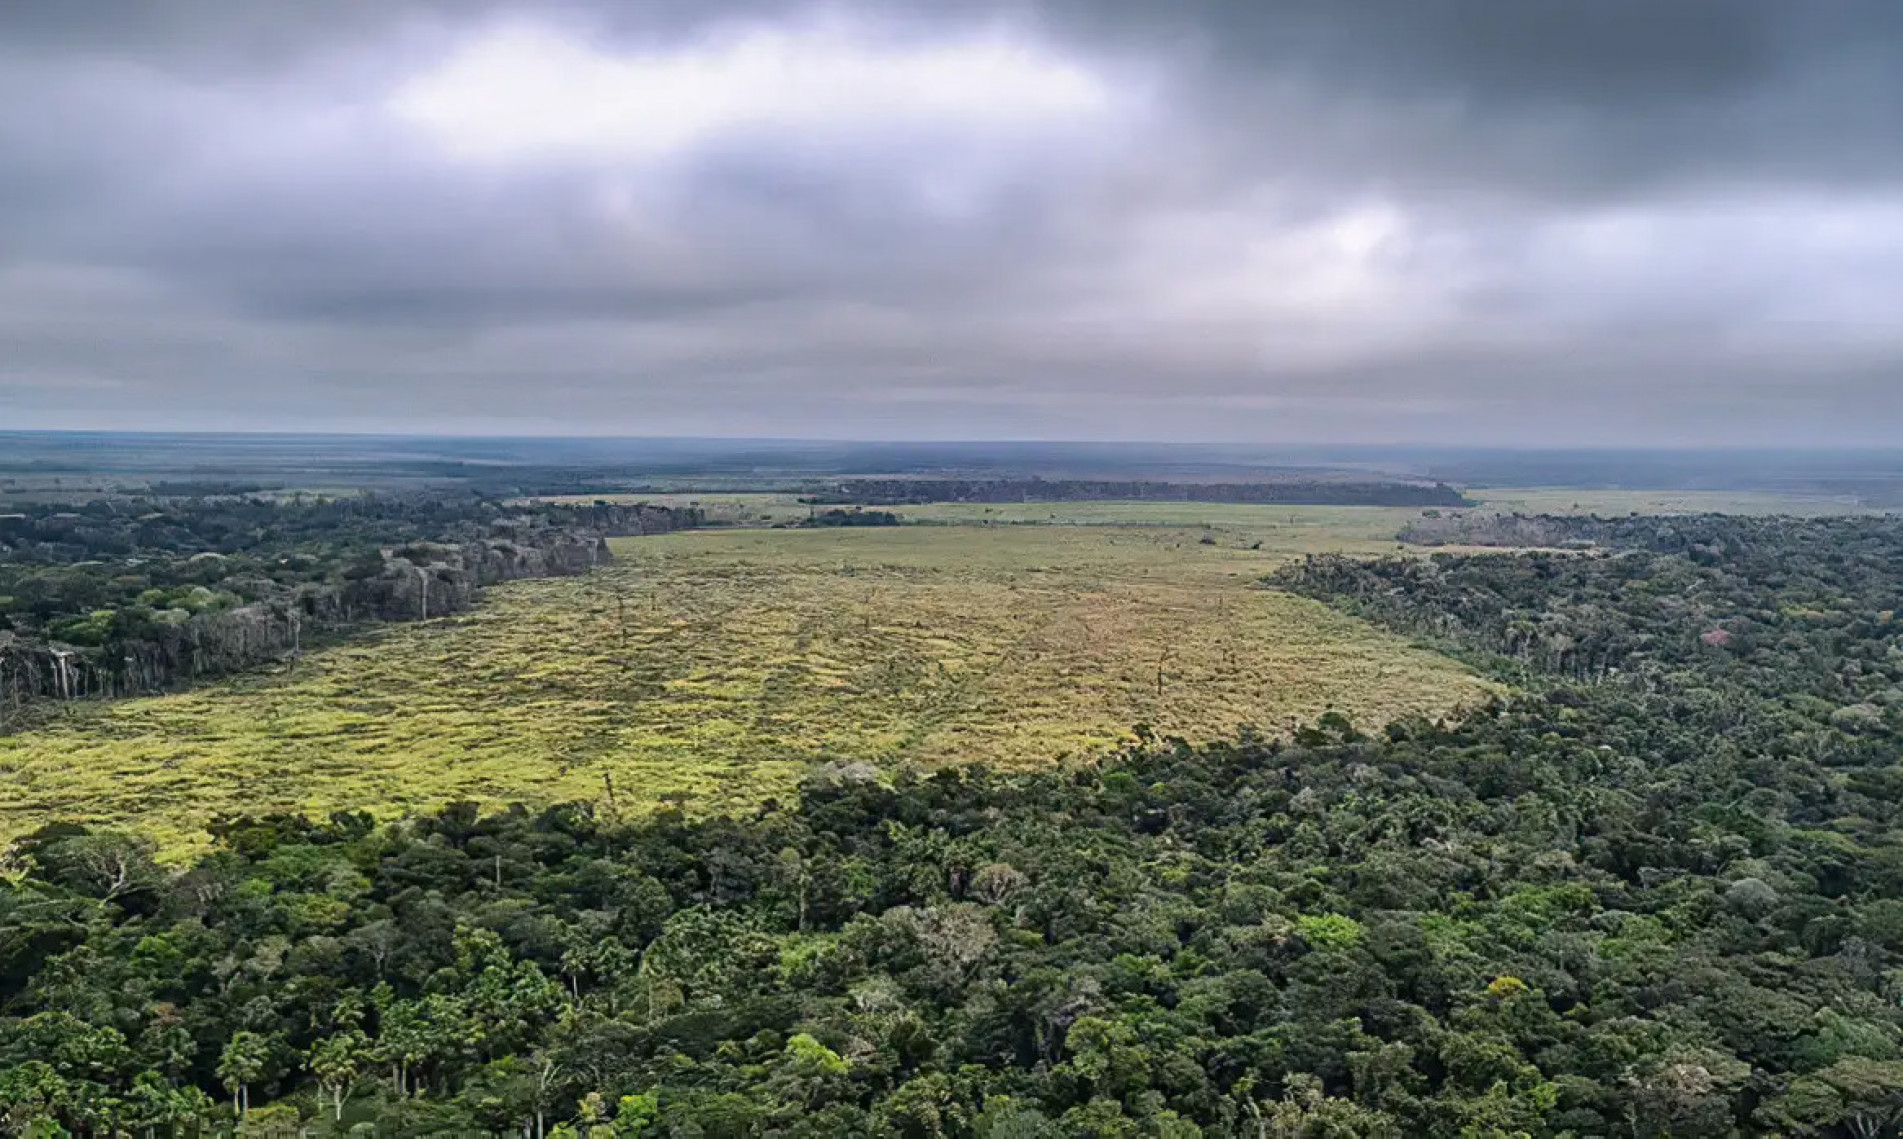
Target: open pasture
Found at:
x=1281, y=529
x=1564, y=500
x=713, y=667
x=1287, y=529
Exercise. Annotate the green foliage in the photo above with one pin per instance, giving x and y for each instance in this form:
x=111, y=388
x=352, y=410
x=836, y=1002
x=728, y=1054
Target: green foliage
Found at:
x=713, y=668
x=1604, y=905
x=132, y=595
x=635, y=1115
x=1329, y=931
x=854, y=517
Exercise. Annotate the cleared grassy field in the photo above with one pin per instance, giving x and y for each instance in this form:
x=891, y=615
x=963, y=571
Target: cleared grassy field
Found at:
x=1331, y=523
x=1290, y=529
x=1561, y=500
x=714, y=666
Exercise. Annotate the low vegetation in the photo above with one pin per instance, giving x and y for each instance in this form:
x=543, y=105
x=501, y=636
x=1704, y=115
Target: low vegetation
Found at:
x=1651, y=892
x=1287, y=491
x=1573, y=500
x=712, y=668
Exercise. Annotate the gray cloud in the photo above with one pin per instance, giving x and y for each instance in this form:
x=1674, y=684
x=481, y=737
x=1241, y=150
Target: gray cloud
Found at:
x=1552, y=221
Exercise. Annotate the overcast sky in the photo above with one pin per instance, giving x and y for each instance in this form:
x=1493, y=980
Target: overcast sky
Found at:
x=1497, y=221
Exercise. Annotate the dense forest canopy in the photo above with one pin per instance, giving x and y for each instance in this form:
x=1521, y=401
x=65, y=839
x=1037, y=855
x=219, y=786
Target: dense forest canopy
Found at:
x=1655, y=892
x=136, y=593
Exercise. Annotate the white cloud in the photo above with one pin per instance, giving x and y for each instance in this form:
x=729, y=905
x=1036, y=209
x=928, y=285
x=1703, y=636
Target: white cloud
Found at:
x=527, y=93
x=1767, y=272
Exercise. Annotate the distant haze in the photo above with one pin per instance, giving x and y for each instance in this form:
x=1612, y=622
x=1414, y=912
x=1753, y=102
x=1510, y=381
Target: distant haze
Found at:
x=1611, y=222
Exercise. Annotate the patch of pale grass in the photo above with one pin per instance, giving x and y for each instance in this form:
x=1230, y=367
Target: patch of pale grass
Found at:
x=713, y=667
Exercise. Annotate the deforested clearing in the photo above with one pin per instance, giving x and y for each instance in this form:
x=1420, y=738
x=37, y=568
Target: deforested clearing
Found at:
x=712, y=668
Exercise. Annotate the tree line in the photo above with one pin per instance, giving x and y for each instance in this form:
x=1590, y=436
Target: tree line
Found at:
x=138, y=594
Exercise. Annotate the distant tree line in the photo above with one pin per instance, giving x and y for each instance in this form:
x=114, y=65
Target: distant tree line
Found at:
x=1295, y=492
x=1705, y=538
x=856, y=517
x=1785, y=604
x=129, y=595
x=1652, y=891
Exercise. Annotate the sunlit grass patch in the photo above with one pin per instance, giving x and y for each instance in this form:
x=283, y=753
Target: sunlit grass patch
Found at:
x=714, y=667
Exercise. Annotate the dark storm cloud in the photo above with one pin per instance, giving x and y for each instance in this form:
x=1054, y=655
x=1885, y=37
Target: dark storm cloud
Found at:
x=1548, y=220
x=1556, y=96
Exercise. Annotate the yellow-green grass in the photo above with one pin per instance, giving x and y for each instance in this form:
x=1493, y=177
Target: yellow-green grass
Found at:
x=1332, y=521
x=1282, y=529
x=1562, y=500
x=718, y=665
x=1296, y=528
